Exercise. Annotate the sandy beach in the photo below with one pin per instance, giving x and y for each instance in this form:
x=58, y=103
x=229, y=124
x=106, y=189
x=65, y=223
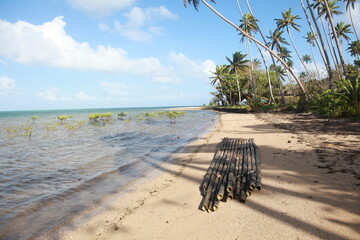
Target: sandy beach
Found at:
x=310, y=189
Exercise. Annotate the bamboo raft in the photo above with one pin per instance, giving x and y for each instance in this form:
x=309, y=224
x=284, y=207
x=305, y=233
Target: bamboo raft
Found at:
x=233, y=173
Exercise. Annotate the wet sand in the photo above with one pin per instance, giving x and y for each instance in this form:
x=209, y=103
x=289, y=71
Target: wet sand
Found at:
x=299, y=200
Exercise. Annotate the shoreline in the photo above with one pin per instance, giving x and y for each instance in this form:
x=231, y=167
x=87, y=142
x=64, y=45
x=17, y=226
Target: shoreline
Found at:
x=297, y=200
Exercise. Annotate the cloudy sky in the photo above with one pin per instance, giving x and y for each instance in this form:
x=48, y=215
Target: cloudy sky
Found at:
x=59, y=54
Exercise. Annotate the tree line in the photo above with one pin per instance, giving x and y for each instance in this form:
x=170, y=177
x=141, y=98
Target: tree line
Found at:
x=259, y=80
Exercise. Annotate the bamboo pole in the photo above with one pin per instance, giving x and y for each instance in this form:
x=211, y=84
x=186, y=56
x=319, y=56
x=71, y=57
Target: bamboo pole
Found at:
x=257, y=165
x=233, y=173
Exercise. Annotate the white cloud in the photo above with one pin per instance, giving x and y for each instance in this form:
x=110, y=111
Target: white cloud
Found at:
x=140, y=23
x=6, y=83
x=114, y=89
x=103, y=27
x=100, y=7
x=49, y=45
x=192, y=68
x=84, y=97
x=52, y=94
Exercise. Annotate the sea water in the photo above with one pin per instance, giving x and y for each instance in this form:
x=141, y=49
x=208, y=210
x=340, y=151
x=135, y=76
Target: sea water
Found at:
x=52, y=169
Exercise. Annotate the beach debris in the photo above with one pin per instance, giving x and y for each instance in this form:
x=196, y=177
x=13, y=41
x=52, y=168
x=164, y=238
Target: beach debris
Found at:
x=233, y=173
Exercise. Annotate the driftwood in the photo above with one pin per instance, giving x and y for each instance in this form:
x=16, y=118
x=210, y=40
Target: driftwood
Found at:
x=233, y=173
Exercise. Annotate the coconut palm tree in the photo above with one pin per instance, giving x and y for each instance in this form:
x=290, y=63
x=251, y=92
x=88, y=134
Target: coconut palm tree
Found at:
x=220, y=77
x=351, y=4
x=323, y=48
x=237, y=64
x=248, y=24
x=354, y=49
x=277, y=39
x=306, y=58
x=328, y=8
x=342, y=30
x=264, y=61
x=286, y=22
x=310, y=37
x=314, y=40
x=318, y=6
x=196, y=3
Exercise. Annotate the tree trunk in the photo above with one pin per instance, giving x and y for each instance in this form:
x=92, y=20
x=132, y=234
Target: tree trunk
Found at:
x=252, y=71
x=322, y=44
x=238, y=86
x=296, y=51
x=336, y=39
x=272, y=57
x=327, y=64
x=267, y=74
x=352, y=24
x=316, y=67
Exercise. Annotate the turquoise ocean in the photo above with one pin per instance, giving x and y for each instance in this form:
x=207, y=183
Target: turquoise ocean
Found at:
x=51, y=169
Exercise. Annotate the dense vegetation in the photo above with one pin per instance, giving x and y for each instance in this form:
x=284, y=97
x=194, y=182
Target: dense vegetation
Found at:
x=334, y=92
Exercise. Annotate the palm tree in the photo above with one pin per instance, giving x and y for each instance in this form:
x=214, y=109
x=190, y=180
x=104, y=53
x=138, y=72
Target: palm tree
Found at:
x=196, y=3
x=342, y=30
x=277, y=39
x=310, y=37
x=306, y=58
x=237, y=64
x=314, y=40
x=288, y=21
x=318, y=6
x=323, y=48
x=284, y=53
x=328, y=7
x=220, y=77
x=248, y=24
x=262, y=56
x=354, y=49
x=351, y=4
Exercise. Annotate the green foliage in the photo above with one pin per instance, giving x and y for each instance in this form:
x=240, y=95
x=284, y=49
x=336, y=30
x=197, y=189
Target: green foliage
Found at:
x=52, y=128
x=328, y=104
x=75, y=126
x=34, y=117
x=11, y=131
x=121, y=115
x=349, y=92
x=343, y=101
x=28, y=130
x=100, y=118
x=173, y=115
x=62, y=118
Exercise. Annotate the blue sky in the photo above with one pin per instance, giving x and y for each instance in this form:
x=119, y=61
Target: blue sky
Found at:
x=59, y=54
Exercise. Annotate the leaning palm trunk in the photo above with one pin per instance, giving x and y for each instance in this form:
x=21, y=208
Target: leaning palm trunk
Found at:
x=352, y=24
x=267, y=74
x=238, y=86
x=322, y=44
x=272, y=58
x=329, y=44
x=252, y=70
x=336, y=39
x=302, y=89
x=296, y=51
x=322, y=53
x=316, y=67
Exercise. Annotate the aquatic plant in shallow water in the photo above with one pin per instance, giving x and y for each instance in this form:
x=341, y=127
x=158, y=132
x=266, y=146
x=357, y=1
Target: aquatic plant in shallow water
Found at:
x=121, y=115
x=98, y=119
